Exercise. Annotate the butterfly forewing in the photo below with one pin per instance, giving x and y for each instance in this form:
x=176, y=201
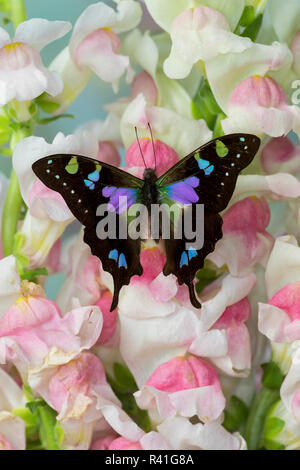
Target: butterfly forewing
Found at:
x=217, y=165
x=86, y=184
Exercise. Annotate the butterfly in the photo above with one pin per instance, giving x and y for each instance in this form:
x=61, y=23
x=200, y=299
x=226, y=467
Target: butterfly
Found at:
x=206, y=176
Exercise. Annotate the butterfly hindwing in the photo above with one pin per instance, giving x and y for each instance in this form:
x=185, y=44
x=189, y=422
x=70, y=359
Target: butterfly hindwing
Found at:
x=85, y=184
x=207, y=176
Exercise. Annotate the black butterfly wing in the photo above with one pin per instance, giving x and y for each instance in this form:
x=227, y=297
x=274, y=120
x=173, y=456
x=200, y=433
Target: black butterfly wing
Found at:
x=207, y=176
x=217, y=183
x=86, y=184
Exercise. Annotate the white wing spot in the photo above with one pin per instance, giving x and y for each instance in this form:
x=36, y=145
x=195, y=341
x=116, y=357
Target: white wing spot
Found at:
x=72, y=192
x=48, y=171
x=226, y=174
x=57, y=177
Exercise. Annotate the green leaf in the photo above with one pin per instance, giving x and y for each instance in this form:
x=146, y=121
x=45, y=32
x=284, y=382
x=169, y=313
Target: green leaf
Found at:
x=218, y=130
x=204, y=105
x=235, y=414
x=22, y=261
x=273, y=445
x=124, y=386
x=31, y=274
x=207, y=275
x=272, y=375
x=253, y=30
x=7, y=152
x=248, y=16
x=6, y=20
x=48, y=431
x=273, y=427
x=34, y=404
x=124, y=377
x=46, y=105
x=44, y=121
x=30, y=419
x=34, y=445
x=27, y=392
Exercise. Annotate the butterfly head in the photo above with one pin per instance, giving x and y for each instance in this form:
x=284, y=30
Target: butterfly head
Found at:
x=149, y=175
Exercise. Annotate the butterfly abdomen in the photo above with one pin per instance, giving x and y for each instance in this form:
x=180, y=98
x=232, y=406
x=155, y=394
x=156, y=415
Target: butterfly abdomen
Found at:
x=149, y=192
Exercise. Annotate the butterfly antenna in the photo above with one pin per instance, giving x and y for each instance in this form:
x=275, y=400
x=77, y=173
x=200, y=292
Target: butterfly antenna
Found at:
x=137, y=138
x=153, y=146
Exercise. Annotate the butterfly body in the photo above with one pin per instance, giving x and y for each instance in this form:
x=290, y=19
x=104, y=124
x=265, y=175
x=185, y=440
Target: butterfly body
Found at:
x=149, y=190
x=205, y=178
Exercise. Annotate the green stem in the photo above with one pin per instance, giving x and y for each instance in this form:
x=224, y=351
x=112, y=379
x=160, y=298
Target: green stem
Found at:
x=18, y=12
x=13, y=202
x=47, y=428
x=256, y=418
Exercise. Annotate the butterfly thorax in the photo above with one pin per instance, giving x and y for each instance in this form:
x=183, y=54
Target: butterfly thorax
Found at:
x=150, y=193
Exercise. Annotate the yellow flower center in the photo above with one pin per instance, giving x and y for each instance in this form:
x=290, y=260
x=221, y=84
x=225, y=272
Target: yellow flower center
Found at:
x=12, y=46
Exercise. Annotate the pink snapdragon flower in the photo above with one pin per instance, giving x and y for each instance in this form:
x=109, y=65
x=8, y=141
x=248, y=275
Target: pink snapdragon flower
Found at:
x=279, y=319
x=79, y=392
x=83, y=276
x=182, y=386
x=23, y=75
x=34, y=335
x=200, y=33
x=109, y=318
x=165, y=155
x=179, y=131
x=95, y=43
x=233, y=321
x=280, y=155
x=124, y=444
x=12, y=428
x=258, y=104
x=155, y=327
x=245, y=240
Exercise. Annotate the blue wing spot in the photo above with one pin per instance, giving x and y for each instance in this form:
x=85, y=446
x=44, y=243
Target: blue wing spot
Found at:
x=209, y=170
x=122, y=261
x=94, y=176
x=192, y=253
x=242, y=139
x=184, y=259
x=57, y=177
x=113, y=254
x=49, y=162
x=89, y=184
x=48, y=171
x=202, y=163
x=238, y=155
